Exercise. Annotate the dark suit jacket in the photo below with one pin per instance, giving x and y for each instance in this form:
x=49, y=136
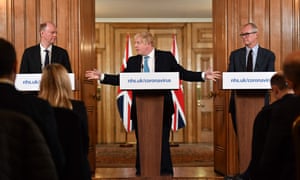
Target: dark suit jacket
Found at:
x=265, y=61
x=31, y=59
x=40, y=112
x=260, y=130
x=24, y=152
x=80, y=109
x=70, y=136
x=164, y=62
x=278, y=157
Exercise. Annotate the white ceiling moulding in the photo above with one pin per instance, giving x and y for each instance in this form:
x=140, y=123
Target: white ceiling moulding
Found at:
x=158, y=10
x=163, y=20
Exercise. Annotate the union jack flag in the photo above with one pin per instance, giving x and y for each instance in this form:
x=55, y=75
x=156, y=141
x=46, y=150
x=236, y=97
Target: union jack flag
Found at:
x=124, y=98
x=178, y=118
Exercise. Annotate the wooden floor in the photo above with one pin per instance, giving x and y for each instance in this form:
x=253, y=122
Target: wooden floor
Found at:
x=180, y=173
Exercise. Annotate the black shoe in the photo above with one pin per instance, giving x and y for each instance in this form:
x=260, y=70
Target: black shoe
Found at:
x=228, y=178
x=238, y=177
x=138, y=173
x=166, y=172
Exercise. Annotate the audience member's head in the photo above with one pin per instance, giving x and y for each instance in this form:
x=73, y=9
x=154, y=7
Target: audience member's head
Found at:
x=55, y=86
x=8, y=60
x=279, y=85
x=291, y=70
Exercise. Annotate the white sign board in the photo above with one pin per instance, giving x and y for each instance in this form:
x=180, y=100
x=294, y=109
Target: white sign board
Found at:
x=31, y=82
x=247, y=80
x=156, y=80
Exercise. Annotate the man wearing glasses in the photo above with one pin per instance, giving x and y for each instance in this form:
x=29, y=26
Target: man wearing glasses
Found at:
x=250, y=58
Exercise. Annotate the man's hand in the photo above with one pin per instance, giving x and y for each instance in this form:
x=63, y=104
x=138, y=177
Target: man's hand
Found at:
x=212, y=75
x=93, y=74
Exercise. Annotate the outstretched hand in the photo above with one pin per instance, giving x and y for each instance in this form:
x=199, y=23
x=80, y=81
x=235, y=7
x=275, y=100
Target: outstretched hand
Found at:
x=212, y=75
x=92, y=74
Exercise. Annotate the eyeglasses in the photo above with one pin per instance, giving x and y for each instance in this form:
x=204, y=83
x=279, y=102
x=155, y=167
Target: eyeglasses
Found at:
x=247, y=34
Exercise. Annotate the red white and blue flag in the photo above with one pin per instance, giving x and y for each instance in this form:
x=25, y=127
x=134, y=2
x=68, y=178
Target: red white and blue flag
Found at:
x=124, y=98
x=178, y=118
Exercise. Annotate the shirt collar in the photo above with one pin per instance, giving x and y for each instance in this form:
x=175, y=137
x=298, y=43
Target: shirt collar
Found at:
x=151, y=54
x=49, y=48
x=254, y=49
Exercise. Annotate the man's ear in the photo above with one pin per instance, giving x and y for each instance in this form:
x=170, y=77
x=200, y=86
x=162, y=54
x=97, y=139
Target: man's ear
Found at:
x=290, y=84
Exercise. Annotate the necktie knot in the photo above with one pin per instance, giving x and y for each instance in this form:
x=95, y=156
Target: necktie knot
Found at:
x=146, y=64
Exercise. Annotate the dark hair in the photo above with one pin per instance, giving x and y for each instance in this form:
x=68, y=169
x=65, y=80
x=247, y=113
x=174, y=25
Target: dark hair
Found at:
x=7, y=57
x=278, y=80
x=291, y=68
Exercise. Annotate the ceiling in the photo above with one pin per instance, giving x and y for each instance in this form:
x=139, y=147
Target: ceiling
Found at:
x=153, y=9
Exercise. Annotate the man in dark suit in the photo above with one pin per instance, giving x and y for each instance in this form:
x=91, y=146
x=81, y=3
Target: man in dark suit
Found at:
x=36, y=57
x=37, y=109
x=159, y=61
x=263, y=59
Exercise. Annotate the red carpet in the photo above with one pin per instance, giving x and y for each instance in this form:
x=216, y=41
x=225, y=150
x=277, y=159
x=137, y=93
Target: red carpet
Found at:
x=112, y=155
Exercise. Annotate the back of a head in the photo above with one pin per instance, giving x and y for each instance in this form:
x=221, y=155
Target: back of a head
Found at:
x=278, y=79
x=291, y=68
x=55, y=86
x=7, y=58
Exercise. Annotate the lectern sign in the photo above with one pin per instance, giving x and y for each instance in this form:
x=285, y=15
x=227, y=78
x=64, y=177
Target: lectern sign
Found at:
x=31, y=82
x=247, y=80
x=157, y=80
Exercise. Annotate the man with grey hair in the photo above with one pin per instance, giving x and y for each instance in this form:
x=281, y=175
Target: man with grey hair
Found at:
x=35, y=58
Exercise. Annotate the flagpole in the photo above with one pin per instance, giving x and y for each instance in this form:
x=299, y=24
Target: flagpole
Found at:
x=172, y=143
x=126, y=144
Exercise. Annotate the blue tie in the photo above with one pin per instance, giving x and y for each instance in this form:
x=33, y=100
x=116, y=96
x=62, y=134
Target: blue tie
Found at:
x=146, y=65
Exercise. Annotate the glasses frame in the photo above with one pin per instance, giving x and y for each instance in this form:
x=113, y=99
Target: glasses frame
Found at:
x=247, y=33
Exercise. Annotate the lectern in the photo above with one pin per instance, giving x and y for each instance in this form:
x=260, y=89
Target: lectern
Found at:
x=247, y=104
x=149, y=93
x=150, y=117
x=249, y=91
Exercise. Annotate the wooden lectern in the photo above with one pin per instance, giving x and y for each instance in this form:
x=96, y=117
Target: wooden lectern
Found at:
x=250, y=92
x=150, y=117
x=248, y=103
x=150, y=89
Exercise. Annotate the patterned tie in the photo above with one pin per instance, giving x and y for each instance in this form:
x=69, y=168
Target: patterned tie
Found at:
x=46, y=57
x=146, y=65
x=249, y=62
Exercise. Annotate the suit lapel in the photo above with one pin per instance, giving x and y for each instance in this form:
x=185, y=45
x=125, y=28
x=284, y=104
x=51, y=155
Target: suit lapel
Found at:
x=258, y=59
x=242, y=59
x=53, y=54
x=37, y=57
x=157, y=67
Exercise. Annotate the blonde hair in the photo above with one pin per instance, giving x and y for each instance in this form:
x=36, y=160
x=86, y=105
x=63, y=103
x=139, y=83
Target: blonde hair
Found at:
x=146, y=37
x=55, y=86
